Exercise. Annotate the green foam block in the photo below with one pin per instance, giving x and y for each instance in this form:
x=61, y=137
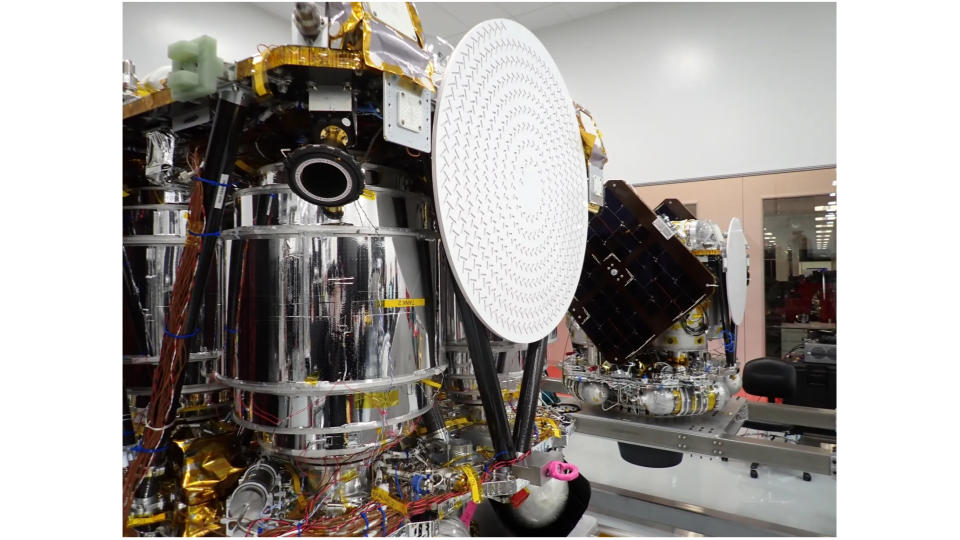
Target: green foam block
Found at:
x=196, y=68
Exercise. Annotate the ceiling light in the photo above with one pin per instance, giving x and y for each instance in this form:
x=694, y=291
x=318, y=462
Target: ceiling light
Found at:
x=834, y=194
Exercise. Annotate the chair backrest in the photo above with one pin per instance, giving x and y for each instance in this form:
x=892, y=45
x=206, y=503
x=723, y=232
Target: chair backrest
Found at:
x=770, y=377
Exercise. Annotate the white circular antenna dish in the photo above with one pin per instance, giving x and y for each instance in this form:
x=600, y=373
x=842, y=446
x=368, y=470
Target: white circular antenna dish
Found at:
x=510, y=180
x=736, y=271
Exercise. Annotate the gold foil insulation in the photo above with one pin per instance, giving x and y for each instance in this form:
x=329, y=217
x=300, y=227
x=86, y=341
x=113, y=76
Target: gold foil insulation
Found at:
x=384, y=49
x=147, y=103
x=593, y=148
x=208, y=476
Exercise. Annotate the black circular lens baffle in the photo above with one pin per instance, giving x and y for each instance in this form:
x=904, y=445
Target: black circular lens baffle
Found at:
x=324, y=175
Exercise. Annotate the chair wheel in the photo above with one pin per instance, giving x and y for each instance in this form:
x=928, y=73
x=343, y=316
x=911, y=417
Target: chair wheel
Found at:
x=807, y=477
x=753, y=473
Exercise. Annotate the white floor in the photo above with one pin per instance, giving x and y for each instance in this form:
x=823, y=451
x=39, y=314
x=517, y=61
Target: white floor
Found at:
x=777, y=496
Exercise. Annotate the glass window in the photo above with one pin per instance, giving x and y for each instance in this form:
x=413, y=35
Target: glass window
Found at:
x=800, y=271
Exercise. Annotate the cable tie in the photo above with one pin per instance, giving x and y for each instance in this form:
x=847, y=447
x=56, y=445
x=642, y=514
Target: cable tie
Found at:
x=142, y=450
x=367, y=521
x=164, y=428
x=211, y=182
x=177, y=336
x=229, y=330
x=191, y=233
x=384, y=522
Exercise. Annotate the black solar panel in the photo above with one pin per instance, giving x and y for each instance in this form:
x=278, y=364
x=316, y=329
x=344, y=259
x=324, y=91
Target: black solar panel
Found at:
x=636, y=281
x=673, y=209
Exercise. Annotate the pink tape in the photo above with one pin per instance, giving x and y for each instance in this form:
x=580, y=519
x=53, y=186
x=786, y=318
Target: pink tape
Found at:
x=467, y=514
x=564, y=472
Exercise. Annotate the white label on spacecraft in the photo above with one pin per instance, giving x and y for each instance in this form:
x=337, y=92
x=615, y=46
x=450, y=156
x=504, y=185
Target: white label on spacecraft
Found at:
x=221, y=191
x=665, y=229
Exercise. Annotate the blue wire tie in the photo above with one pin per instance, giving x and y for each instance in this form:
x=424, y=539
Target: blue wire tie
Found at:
x=229, y=331
x=367, y=521
x=191, y=233
x=384, y=522
x=730, y=341
x=176, y=336
x=211, y=182
x=142, y=450
x=299, y=532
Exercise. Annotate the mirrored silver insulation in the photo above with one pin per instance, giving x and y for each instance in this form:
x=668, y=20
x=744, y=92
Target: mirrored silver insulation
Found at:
x=154, y=231
x=331, y=319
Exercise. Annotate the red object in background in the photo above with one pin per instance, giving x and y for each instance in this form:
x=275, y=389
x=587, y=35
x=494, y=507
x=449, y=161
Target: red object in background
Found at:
x=801, y=298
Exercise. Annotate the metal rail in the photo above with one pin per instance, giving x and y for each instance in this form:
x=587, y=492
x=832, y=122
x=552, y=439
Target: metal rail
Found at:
x=678, y=517
x=716, y=434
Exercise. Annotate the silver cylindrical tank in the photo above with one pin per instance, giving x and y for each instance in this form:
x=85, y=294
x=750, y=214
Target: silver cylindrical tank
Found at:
x=331, y=321
x=154, y=231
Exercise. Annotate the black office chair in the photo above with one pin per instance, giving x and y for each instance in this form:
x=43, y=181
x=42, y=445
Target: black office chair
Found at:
x=771, y=378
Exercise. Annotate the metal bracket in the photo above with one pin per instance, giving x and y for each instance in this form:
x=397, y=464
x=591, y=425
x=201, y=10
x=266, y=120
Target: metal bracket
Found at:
x=406, y=113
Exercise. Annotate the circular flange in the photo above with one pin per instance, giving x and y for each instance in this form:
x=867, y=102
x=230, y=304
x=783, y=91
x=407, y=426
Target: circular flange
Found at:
x=510, y=180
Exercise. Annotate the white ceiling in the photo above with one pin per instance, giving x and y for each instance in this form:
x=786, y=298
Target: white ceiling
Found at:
x=450, y=20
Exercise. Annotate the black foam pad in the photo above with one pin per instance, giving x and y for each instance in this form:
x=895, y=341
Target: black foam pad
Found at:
x=644, y=456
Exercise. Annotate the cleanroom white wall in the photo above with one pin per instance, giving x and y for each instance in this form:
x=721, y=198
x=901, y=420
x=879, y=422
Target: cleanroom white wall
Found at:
x=148, y=28
x=688, y=90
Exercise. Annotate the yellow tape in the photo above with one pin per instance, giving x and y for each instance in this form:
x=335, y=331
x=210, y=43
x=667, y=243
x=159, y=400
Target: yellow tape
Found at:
x=369, y=194
x=312, y=380
x=431, y=382
x=461, y=421
x=192, y=408
x=136, y=522
x=259, y=76
x=556, y=429
x=382, y=496
x=244, y=167
x=378, y=400
x=474, y=484
x=402, y=302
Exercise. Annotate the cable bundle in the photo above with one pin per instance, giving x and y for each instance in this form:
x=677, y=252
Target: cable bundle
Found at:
x=173, y=355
